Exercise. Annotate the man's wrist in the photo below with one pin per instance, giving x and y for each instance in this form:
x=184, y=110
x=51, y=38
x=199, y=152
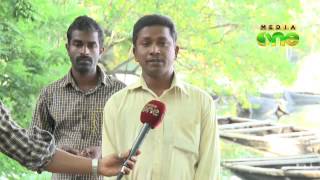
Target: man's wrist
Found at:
x=95, y=164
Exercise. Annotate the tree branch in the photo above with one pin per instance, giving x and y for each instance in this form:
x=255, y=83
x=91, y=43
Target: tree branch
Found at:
x=123, y=63
x=224, y=25
x=118, y=41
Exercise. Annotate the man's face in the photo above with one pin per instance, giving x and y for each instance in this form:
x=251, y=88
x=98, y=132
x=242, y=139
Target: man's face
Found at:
x=155, y=51
x=84, y=51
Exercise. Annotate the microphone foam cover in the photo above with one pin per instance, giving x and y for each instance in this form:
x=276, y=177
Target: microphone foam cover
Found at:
x=152, y=113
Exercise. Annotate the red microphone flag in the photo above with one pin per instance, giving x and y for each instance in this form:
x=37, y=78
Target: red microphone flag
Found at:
x=153, y=113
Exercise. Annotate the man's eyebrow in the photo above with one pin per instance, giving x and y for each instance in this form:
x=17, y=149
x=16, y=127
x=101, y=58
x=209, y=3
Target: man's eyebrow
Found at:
x=145, y=37
x=92, y=42
x=148, y=38
x=162, y=38
x=76, y=40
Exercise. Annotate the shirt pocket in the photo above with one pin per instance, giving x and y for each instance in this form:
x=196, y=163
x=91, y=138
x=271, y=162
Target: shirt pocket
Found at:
x=185, y=145
x=185, y=150
x=187, y=134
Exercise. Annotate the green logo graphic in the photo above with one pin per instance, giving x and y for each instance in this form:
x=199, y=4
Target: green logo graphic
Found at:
x=291, y=39
x=275, y=36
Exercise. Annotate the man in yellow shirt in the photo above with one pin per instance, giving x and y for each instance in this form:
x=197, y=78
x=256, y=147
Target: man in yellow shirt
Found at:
x=186, y=145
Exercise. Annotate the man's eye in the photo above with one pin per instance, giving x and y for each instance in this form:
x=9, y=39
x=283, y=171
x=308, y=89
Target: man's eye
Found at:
x=77, y=44
x=162, y=43
x=93, y=45
x=145, y=44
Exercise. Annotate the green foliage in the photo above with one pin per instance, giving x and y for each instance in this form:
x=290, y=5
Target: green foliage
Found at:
x=10, y=169
x=32, y=55
x=29, y=48
x=217, y=39
x=210, y=34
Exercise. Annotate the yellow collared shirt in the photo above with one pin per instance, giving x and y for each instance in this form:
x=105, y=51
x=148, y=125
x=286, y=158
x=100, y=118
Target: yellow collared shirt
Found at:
x=184, y=147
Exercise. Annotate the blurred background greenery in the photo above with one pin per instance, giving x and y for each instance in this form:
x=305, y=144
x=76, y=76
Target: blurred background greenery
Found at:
x=219, y=51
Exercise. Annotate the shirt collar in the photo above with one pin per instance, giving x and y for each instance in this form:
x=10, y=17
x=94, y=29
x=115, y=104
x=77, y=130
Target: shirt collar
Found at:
x=176, y=83
x=103, y=78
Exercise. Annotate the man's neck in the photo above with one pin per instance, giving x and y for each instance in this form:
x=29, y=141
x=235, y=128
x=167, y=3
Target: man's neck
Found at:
x=85, y=81
x=158, y=84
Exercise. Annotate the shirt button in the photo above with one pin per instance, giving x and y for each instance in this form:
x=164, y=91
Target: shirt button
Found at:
x=83, y=136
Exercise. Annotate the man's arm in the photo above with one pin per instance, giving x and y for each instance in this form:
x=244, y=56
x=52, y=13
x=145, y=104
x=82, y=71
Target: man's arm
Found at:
x=64, y=162
x=209, y=152
x=33, y=151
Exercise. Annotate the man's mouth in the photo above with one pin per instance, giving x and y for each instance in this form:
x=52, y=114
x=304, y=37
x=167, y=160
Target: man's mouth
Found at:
x=154, y=61
x=84, y=60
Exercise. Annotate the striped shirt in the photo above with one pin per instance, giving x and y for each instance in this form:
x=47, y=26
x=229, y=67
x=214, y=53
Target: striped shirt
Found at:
x=33, y=152
x=73, y=116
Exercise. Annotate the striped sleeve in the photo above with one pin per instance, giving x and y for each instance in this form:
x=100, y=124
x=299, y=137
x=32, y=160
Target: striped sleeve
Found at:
x=32, y=151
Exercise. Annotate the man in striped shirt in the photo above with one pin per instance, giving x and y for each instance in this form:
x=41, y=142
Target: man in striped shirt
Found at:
x=71, y=108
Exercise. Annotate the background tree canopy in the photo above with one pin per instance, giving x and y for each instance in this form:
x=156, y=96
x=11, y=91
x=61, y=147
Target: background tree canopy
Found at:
x=219, y=51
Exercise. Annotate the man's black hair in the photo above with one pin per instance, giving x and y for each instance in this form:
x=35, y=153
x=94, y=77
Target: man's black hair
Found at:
x=85, y=23
x=152, y=20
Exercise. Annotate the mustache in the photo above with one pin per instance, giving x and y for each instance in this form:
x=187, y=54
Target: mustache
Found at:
x=81, y=58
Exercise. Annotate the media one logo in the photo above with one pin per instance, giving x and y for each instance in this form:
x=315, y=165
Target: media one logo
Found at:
x=277, y=34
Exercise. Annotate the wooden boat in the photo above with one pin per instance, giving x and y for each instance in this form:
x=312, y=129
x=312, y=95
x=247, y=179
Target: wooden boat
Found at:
x=269, y=136
x=303, y=167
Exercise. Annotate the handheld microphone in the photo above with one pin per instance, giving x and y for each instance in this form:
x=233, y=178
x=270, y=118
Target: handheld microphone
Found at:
x=151, y=117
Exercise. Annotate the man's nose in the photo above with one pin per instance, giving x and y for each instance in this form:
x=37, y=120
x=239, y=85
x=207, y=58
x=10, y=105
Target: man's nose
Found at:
x=155, y=49
x=84, y=50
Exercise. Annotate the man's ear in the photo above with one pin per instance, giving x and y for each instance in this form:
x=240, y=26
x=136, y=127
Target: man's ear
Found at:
x=176, y=51
x=134, y=53
x=101, y=50
x=67, y=46
x=134, y=50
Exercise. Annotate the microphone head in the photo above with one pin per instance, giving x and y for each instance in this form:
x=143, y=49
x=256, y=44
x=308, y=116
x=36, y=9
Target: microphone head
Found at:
x=152, y=113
